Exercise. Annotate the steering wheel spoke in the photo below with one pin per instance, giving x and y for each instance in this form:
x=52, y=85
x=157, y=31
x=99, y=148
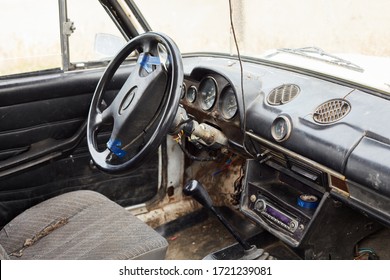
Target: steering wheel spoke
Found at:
x=98, y=118
x=105, y=115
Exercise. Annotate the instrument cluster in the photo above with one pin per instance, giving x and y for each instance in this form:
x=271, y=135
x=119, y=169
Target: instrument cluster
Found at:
x=212, y=96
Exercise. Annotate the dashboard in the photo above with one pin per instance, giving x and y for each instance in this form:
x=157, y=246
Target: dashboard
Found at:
x=308, y=140
x=210, y=98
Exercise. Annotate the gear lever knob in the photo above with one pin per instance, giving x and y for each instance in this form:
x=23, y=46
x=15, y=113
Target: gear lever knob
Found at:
x=195, y=189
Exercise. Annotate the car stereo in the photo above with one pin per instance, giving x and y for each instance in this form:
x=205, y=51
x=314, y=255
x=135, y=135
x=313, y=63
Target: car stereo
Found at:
x=281, y=204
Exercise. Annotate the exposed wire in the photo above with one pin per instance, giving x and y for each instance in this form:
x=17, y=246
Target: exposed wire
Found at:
x=181, y=123
x=238, y=186
x=366, y=250
x=240, y=62
x=178, y=136
x=192, y=157
x=225, y=167
x=366, y=254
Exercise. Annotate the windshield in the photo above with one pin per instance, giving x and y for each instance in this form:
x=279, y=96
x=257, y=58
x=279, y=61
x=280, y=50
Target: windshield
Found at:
x=356, y=31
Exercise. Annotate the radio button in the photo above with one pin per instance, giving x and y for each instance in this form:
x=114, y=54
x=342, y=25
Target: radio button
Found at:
x=259, y=205
x=253, y=198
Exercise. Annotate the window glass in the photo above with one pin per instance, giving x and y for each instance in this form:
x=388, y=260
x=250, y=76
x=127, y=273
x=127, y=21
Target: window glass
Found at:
x=96, y=36
x=29, y=36
x=201, y=25
x=337, y=26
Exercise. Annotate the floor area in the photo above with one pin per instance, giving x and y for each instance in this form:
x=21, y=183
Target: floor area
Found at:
x=193, y=233
x=195, y=236
x=196, y=240
x=378, y=244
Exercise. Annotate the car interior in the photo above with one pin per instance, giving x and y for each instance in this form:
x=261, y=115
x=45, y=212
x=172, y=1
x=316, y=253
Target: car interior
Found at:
x=164, y=155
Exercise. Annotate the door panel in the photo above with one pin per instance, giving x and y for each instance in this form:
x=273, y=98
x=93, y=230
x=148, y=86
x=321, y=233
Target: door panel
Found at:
x=42, y=126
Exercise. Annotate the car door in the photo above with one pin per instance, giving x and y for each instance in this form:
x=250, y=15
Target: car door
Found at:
x=44, y=105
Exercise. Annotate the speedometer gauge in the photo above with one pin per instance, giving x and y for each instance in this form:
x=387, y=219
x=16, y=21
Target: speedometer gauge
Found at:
x=208, y=93
x=228, y=103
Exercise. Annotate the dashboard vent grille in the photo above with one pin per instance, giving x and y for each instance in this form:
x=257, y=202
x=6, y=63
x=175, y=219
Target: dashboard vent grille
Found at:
x=283, y=94
x=331, y=111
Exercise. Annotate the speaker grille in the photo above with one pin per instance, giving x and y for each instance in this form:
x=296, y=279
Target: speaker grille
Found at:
x=283, y=94
x=331, y=111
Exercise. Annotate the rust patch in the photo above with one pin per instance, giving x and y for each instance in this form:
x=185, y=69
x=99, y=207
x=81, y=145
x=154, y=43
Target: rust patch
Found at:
x=219, y=178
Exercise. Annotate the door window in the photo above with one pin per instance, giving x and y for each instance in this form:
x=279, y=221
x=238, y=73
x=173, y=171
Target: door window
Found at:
x=30, y=37
x=96, y=36
x=29, y=41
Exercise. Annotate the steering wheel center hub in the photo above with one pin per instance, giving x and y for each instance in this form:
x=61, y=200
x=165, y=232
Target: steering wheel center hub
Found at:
x=127, y=100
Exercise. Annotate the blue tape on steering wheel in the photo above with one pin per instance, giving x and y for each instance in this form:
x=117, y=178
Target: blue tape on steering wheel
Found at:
x=147, y=61
x=114, y=147
x=308, y=201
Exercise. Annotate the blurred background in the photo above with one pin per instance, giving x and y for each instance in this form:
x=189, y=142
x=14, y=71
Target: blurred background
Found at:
x=29, y=37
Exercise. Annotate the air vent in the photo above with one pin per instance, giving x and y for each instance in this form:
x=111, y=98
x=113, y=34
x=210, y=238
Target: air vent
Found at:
x=331, y=111
x=283, y=94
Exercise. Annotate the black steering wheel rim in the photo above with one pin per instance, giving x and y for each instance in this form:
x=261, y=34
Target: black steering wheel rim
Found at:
x=123, y=108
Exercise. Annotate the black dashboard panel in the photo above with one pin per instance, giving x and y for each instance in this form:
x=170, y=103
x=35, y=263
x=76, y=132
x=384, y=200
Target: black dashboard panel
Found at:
x=328, y=144
x=369, y=164
x=330, y=131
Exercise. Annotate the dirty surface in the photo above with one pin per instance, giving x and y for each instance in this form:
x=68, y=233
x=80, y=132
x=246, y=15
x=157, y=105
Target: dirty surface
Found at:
x=195, y=238
x=201, y=233
x=379, y=243
x=197, y=241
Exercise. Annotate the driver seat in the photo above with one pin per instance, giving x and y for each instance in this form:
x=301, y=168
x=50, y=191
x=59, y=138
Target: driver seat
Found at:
x=79, y=225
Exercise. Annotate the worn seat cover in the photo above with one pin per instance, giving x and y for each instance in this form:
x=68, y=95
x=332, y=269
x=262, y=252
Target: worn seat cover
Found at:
x=80, y=225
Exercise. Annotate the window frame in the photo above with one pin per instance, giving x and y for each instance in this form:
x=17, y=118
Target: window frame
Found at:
x=130, y=23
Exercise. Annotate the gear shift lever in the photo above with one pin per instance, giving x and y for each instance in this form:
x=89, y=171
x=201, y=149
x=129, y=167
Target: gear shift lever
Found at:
x=198, y=192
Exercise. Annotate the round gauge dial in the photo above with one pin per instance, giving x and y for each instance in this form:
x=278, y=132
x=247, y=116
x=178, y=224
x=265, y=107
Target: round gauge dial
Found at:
x=191, y=94
x=208, y=93
x=183, y=91
x=228, y=103
x=281, y=128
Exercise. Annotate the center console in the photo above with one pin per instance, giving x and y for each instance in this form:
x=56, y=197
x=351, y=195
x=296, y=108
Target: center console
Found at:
x=297, y=208
x=281, y=204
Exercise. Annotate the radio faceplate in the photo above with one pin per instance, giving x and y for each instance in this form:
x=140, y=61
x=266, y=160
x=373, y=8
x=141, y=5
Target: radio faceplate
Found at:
x=271, y=199
x=275, y=215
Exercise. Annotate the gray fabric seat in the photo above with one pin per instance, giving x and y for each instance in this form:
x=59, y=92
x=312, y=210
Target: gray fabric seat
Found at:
x=79, y=225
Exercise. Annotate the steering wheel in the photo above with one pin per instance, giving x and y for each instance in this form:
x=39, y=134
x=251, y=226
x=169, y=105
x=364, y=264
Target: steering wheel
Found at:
x=139, y=116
